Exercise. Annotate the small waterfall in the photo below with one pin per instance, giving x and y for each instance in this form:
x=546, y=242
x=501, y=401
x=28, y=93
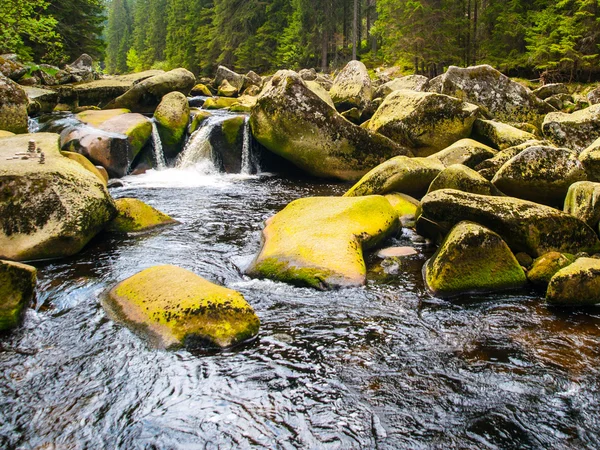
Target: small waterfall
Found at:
x=33, y=125
x=159, y=156
x=198, y=147
x=246, y=149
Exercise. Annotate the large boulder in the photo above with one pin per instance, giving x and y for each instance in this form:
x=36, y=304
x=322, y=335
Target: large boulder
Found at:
x=147, y=94
x=577, y=284
x=319, y=241
x=136, y=127
x=540, y=174
x=500, y=135
x=590, y=158
x=11, y=68
x=410, y=82
x=95, y=118
x=47, y=210
x=466, y=151
x=490, y=167
x=224, y=74
x=583, y=202
x=576, y=131
x=546, y=266
x=47, y=99
x=13, y=106
x=352, y=87
x=486, y=87
x=550, y=90
x=17, y=288
x=293, y=122
x=463, y=178
x=173, y=307
x=402, y=174
x=525, y=226
x=320, y=91
x=472, y=259
x=593, y=96
x=422, y=121
x=405, y=206
x=172, y=116
x=99, y=171
x=134, y=215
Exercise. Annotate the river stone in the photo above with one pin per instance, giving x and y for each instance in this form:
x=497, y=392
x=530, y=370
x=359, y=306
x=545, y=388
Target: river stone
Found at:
x=583, y=202
x=423, y=121
x=197, y=118
x=173, y=307
x=590, y=158
x=577, y=284
x=463, y=178
x=351, y=87
x=13, y=106
x=252, y=79
x=293, y=122
x=320, y=91
x=411, y=82
x=576, y=131
x=134, y=215
x=472, y=259
x=227, y=90
x=47, y=210
x=525, y=226
x=172, y=117
x=396, y=252
x=410, y=176
x=319, y=241
x=17, y=288
x=87, y=164
x=466, y=151
x=405, y=206
x=224, y=74
x=540, y=174
x=136, y=127
x=550, y=90
x=488, y=168
x=201, y=89
x=486, y=87
x=546, y=266
x=500, y=135
x=147, y=94
x=95, y=118
x=219, y=103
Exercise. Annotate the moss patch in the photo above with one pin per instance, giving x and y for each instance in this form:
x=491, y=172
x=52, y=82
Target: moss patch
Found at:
x=134, y=215
x=17, y=285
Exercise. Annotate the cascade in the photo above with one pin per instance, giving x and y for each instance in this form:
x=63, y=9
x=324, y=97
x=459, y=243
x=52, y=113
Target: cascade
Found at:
x=246, y=149
x=159, y=156
x=198, y=147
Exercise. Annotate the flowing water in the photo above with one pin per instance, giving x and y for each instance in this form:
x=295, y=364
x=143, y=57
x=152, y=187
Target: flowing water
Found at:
x=383, y=366
x=157, y=150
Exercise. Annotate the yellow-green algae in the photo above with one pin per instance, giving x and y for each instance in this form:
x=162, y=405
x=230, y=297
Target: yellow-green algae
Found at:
x=462, y=178
x=135, y=215
x=546, y=266
x=466, y=151
x=472, y=259
x=231, y=128
x=405, y=206
x=577, y=284
x=219, y=102
x=17, y=285
x=174, y=307
x=319, y=241
x=86, y=163
x=97, y=118
x=172, y=116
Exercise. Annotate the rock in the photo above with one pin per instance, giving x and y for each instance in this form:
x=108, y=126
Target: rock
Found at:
x=578, y=284
x=576, y=131
x=172, y=116
x=295, y=123
x=46, y=98
x=593, y=96
x=590, y=158
x=466, y=151
x=252, y=91
x=462, y=178
x=423, y=121
x=488, y=168
x=147, y=94
x=308, y=74
x=227, y=90
x=321, y=92
x=352, y=87
x=499, y=135
x=253, y=79
x=560, y=101
x=136, y=127
x=353, y=115
x=325, y=81
x=219, y=102
x=524, y=226
x=11, y=68
x=486, y=87
x=472, y=259
x=524, y=259
x=13, y=106
x=234, y=79
x=540, y=174
x=396, y=252
x=583, y=202
x=134, y=215
x=47, y=210
x=410, y=176
x=96, y=118
x=227, y=142
x=4, y=133
x=244, y=103
x=546, y=266
x=84, y=62
x=405, y=206
x=86, y=164
x=549, y=90
x=17, y=288
x=174, y=307
x=198, y=116
x=201, y=89
x=411, y=82
x=319, y=241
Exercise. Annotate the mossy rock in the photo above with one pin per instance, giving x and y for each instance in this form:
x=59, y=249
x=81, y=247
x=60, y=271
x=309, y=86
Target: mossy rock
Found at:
x=201, y=89
x=590, y=158
x=583, y=202
x=488, y=168
x=547, y=265
x=244, y=104
x=551, y=89
x=134, y=215
x=172, y=117
x=466, y=152
x=4, y=133
x=219, y=103
x=576, y=131
x=423, y=121
x=525, y=226
x=17, y=287
x=472, y=259
x=95, y=118
x=293, y=122
x=136, y=127
x=227, y=90
x=319, y=241
x=320, y=91
x=540, y=174
x=405, y=206
x=13, y=106
x=234, y=79
x=173, y=307
x=411, y=82
x=351, y=87
x=410, y=176
x=353, y=115
x=87, y=164
x=578, y=284
x=47, y=210
x=500, y=135
x=462, y=178
x=198, y=116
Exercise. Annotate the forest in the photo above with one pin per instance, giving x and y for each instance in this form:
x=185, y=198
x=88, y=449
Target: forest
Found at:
x=520, y=37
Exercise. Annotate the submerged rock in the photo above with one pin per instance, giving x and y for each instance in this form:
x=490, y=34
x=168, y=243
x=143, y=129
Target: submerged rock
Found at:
x=576, y=131
x=293, y=122
x=466, y=151
x=472, y=259
x=352, y=87
x=462, y=178
x=422, y=121
x=319, y=241
x=172, y=116
x=13, y=106
x=17, y=287
x=134, y=215
x=546, y=266
x=577, y=284
x=500, y=135
x=47, y=210
x=525, y=226
x=174, y=307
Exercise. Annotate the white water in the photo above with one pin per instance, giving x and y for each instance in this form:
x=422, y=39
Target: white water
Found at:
x=159, y=156
x=33, y=125
x=246, y=149
x=198, y=147
x=201, y=174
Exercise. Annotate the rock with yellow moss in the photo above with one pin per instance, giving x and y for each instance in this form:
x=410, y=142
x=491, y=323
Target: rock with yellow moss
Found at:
x=583, y=202
x=352, y=87
x=95, y=118
x=17, y=286
x=405, y=206
x=172, y=116
x=319, y=241
x=578, y=284
x=173, y=307
x=546, y=266
x=87, y=164
x=462, y=178
x=219, y=103
x=576, y=131
x=466, y=151
x=500, y=135
x=134, y=215
x=472, y=259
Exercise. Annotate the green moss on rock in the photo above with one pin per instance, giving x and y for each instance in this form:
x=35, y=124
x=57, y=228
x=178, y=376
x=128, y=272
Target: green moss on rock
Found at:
x=583, y=202
x=17, y=286
x=172, y=116
x=466, y=151
x=578, y=284
x=464, y=179
x=546, y=266
x=134, y=215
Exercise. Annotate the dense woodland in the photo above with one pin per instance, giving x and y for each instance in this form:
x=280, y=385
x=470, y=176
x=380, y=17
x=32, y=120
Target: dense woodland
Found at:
x=560, y=38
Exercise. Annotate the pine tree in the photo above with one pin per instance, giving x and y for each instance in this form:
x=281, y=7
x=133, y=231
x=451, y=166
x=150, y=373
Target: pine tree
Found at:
x=118, y=35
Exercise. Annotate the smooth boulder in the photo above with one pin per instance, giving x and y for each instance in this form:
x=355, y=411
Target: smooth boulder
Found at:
x=463, y=178
x=233, y=79
x=136, y=127
x=172, y=116
x=578, y=284
x=352, y=87
x=405, y=206
x=546, y=266
x=576, y=131
x=134, y=215
x=17, y=288
x=13, y=106
x=500, y=135
x=411, y=82
x=583, y=202
x=590, y=158
x=466, y=151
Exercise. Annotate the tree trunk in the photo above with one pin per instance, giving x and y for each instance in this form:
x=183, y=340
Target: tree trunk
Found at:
x=355, y=31
x=474, y=60
x=373, y=38
x=324, y=48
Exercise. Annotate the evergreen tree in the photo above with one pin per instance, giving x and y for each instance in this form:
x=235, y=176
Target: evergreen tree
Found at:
x=118, y=36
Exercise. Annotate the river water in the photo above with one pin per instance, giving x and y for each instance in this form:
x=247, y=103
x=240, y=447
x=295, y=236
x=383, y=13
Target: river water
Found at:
x=385, y=366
